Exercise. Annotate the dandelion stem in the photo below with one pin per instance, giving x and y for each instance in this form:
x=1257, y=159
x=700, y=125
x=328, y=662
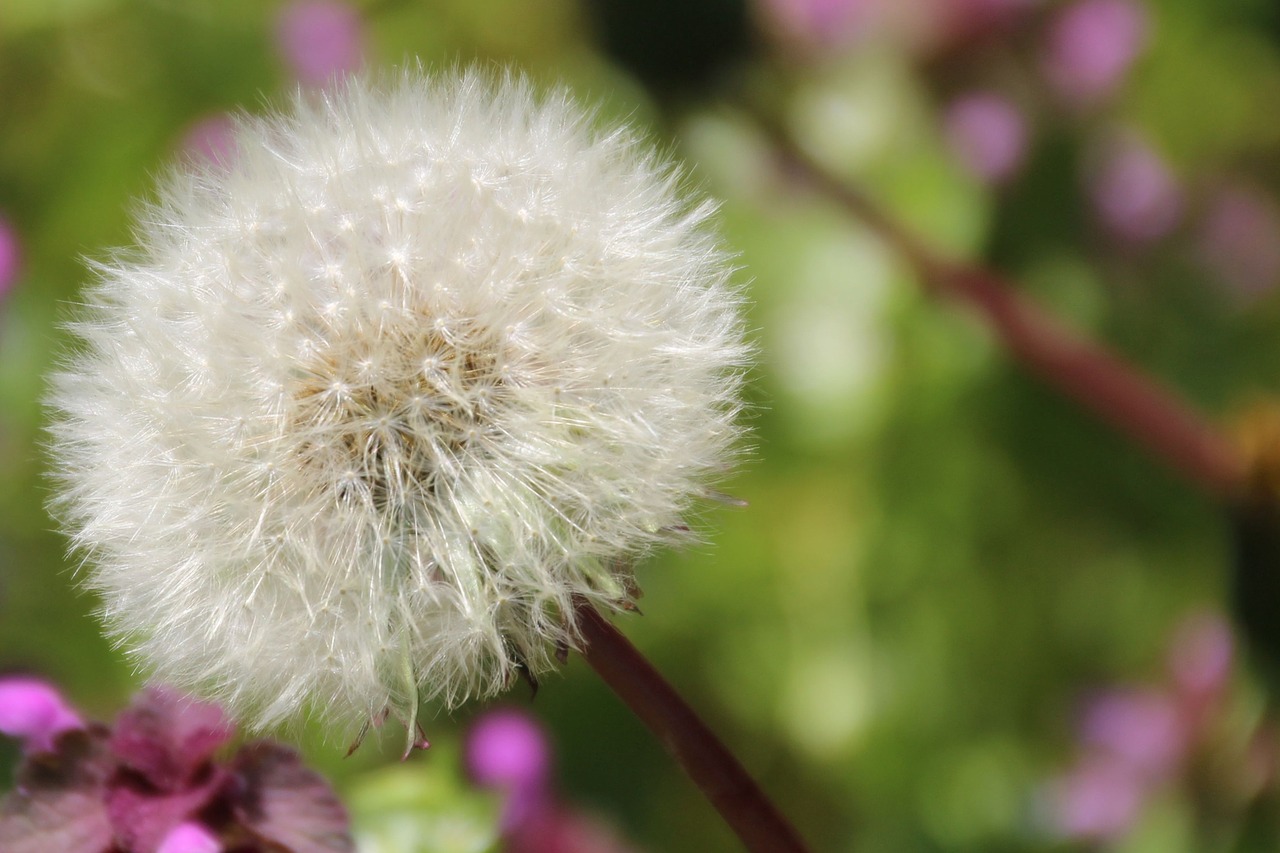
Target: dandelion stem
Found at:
x=1097, y=378
x=724, y=781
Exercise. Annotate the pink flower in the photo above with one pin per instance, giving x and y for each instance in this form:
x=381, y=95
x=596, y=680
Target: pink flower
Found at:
x=1134, y=194
x=10, y=256
x=34, y=712
x=1099, y=799
x=212, y=139
x=147, y=783
x=1141, y=729
x=818, y=23
x=1201, y=655
x=508, y=750
x=1091, y=46
x=988, y=135
x=1239, y=240
x=320, y=39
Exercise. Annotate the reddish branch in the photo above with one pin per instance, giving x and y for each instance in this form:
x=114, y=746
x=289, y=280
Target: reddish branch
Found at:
x=1100, y=380
x=740, y=801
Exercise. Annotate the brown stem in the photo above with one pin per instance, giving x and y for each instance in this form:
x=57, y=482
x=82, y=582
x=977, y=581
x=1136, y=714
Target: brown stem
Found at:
x=740, y=801
x=1102, y=381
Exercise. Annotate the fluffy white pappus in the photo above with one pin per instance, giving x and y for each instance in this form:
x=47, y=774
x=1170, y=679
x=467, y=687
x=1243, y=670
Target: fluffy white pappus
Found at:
x=365, y=410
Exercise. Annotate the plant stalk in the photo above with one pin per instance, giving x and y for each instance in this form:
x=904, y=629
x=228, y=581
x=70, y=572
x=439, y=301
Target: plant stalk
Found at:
x=722, y=778
x=1102, y=381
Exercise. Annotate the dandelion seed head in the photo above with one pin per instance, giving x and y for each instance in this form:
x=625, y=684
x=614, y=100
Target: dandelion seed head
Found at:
x=365, y=409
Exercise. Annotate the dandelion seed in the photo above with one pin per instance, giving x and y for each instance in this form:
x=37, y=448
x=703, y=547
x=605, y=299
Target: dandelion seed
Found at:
x=368, y=407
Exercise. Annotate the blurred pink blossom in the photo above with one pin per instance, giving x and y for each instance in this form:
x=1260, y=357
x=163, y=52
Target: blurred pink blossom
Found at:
x=819, y=23
x=988, y=134
x=1091, y=46
x=1100, y=798
x=1142, y=730
x=508, y=750
x=34, y=712
x=212, y=139
x=147, y=782
x=562, y=830
x=10, y=256
x=1201, y=656
x=1134, y=194
x=320, y=39
x=1239, y=240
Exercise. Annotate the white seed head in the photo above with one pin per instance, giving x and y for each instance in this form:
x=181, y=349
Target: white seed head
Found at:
x=366, y=409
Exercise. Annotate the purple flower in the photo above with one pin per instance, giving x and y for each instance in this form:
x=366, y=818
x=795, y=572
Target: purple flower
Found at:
x=34, y=712
x=1091, y=45
x=1099, y=799
x=508, y=750
x=152, y=783
x=988, y=135
x=1142, y=730
x=1134, y=195
x=320, y=39
x=10, y=256
x=563, y=830
x=820, y=23
x=1201, y=655
x=212, y=139
x=1239, y=240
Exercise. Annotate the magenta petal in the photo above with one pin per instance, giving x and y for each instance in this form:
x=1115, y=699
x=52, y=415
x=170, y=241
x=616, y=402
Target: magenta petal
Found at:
x=143, y=818
x=35, y=712
x=1100, y=799
x=167, y=737
x=321, y=39
x=10, y=256
x=284, y=803
x=58, y=802
x=988, y=134
x=1141, y=729
x=190, y=838
x=508, y=749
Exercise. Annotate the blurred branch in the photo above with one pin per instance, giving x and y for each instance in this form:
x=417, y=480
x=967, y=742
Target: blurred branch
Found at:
x=724, y=781
x=1100, y=380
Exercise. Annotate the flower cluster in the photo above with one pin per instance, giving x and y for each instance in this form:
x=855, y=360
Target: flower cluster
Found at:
x=1140, y=742
x=151, y=783
x=508, y=751
x=374, y=403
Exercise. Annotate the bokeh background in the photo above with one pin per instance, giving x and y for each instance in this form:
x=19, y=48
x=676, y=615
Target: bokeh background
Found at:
x=958, y=614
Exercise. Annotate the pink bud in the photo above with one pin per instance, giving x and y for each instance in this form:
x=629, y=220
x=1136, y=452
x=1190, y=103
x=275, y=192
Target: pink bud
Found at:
x=1240, y=240
x=35, y=712
x=1200, y=655
x=1091, y=46
x=212, y=139
x=190, y=837
x=1141, y=729
x=821, y=23
x=10, y=256
x=1100, y=799
x=508, y=750
x=987, y=134
x=1133, y=192
x=320, y=39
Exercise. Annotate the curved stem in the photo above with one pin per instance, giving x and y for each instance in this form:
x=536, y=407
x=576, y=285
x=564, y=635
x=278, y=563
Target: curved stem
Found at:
x=740, y=801
x=1102, y=381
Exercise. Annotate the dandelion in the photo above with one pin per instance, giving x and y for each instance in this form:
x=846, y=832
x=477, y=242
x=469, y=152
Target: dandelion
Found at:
x=369, y=408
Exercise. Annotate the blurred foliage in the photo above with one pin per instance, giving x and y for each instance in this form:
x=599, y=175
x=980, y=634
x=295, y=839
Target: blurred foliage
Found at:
x=940, y=559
